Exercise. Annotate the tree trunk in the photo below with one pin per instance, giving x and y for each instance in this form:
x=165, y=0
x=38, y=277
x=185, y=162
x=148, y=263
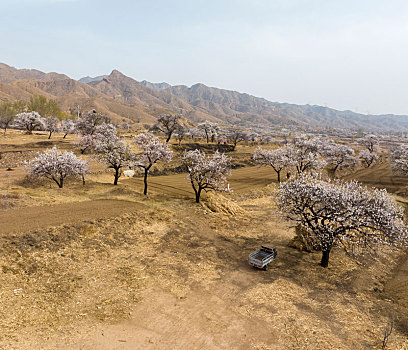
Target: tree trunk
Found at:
x=83, y=180
x=168, y=138
x=49, y=136
x=117, y=176
x=65, y=135
x=198, y=193
x=5, y=131
x=145, y=181
x=278, y=172
x=325, y=258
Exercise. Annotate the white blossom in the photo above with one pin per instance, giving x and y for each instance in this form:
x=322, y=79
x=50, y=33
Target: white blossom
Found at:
x=370, y=142
x=210, y=130
x=88, y=124
x=29, y=121
x=101, y=133
x=152, y=150
x=367, y=158
x=206, y=172
x=278, y=159
x=51, y=125
x=306, y=154
x=68, y=127
x=56, y=165
x=339, y=156
x=113, y=152
x=399, y=160
x=343, y=213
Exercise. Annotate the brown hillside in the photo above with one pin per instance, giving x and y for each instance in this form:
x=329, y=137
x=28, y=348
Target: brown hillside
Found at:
x=129, y=91
x=9, y=74
x=121, y=97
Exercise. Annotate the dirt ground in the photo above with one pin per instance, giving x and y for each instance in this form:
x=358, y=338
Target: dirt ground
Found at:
x=103, y=267
x=35, y=218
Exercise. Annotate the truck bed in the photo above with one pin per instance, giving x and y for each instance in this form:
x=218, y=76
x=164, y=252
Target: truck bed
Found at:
x=262, y=257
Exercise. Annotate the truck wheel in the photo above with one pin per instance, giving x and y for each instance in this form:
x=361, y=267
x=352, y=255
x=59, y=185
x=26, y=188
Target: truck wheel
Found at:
x=265, y=268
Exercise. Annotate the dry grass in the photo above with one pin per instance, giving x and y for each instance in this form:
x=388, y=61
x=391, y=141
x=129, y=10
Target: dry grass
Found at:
x=62, y=282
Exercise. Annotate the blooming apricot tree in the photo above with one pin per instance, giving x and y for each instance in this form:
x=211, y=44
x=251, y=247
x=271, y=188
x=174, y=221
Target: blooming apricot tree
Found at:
x=370, y=142
x=87, y=125
x=152, y=150
x=306, y=154
x=29, y=121
x=206, y=172
x=368, y=155
x=278, y=159
x=343, y=213
x=367, y=158
x=339, y=156
x=399, y=160
x=67, y=127
x=56, y=165
x=210, y=129
x=112, y=151
x=51, y=125
x=101, y=133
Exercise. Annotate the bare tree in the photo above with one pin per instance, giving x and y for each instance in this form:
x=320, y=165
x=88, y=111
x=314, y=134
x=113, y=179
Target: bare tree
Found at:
x=236, y=137
x=180, y=132
x=343, y=213
x=7, y=112
x=152, y=151
x=387, y=332
x=29, y=121
x=56, y=165
x=206, y=172
x=167, y=124
x=278, y=159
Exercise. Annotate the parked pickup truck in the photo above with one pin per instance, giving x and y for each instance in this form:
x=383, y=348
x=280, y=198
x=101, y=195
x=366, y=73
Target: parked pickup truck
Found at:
x=262, y=257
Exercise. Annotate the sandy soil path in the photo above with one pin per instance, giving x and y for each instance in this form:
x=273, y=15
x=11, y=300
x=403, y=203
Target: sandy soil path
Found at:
x=201, y=320
x=33, y=218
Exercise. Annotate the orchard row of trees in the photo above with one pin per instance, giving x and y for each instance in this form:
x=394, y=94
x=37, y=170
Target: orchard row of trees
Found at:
x=313, y=154
x=336, y=213
x=102, y=139
x=170, y=125
x=339, y=213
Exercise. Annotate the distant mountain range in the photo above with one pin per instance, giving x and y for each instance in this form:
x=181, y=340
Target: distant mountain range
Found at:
x=123, y=97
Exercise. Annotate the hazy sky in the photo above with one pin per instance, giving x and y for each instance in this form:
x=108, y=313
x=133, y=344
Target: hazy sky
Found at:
x=346, y=54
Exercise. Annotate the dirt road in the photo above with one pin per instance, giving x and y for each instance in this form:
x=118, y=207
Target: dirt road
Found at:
x=33, y=218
